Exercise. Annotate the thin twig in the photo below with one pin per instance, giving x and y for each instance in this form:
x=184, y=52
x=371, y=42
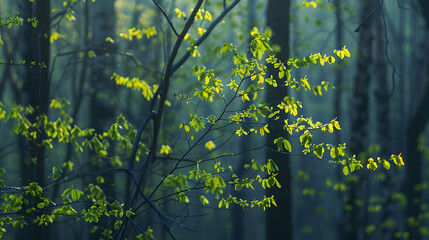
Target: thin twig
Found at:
x=369, y=15
x=166, y=17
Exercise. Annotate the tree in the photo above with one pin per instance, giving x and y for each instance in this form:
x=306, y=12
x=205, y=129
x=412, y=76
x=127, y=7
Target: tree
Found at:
x=415, y=127
x=340, y=75
x=35, y=93
x=359, y=126
x=102, y=107
x=279, y=221
x=383, y=126
x=239, y=225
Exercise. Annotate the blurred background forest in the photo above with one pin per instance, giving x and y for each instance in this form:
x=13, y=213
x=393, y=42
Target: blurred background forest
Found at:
x=381, y=100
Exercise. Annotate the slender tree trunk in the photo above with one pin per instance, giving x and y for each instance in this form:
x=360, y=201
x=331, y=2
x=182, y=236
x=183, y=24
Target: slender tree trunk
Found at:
x=35, y=93
x=339, y=72
x=381, y=94
x=413, y=156
x=237, y=214
x=102, y=110
x=102, y=106
x=8, y=50
x=279, y=219
x=359, y=116
x=103, y=22
x=36, y=89
x=339, y=88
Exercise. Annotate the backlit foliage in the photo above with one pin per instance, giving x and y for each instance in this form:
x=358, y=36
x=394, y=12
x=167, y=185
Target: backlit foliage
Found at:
x=212, y=173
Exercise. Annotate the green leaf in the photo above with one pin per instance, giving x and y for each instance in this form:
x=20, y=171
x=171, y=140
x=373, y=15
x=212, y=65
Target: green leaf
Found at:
x=287, y=145
x=79, y=149
x=18, y=224
x=91, y=54
x=100, y=179
x=204, y=200
x=337, y=125
x=93, y=229
x=386, y=164
x=346, y=170
x=371, y=164
x=76, y=194
x=66, y=193
x=281, y=74
x=334, y=152
x=304, y=83
x=288, y=75
x=210, y=145
x=317, y=90
x=397, y=159
x=319, y=151
x=279, y=143
x=90, y=217
x=331, y=127
x=129, y=213
x=110, y=40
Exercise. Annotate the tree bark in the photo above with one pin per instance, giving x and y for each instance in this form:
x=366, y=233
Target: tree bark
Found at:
x=237, y=214
x=339, y=72
x=101, y=104
x=279, y=219
x=383, y=136
x=35, y=93
x=413, y=156
x=359, y=116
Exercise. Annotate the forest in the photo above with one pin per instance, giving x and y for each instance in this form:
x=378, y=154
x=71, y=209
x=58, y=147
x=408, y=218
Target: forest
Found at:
x=214, y=119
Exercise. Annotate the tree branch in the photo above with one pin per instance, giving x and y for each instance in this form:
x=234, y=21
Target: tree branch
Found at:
x=166, y=17
x=369, y=15
x=206, y=34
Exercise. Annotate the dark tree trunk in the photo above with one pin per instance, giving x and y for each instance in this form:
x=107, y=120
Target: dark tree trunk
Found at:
x=36, y=87
x=238, y=219
x=359, y=116
x=35, y=93
x=413, y=156
x=339, y=72
x=383, y=136
x=103, y=26
x=279, y=219
x=102, y=104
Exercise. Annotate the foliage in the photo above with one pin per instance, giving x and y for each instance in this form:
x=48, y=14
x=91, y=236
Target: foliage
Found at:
x=120, y=144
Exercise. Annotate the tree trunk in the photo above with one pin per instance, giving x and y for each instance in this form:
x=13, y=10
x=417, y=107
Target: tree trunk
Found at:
x=237, y=214
x=413, y=156
x=36, y=87
x=383, y=136
x=35, y=93
x=339, y=72
x=359, y=116
x=103, y=22
x=102, y=105
x=279, y=219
